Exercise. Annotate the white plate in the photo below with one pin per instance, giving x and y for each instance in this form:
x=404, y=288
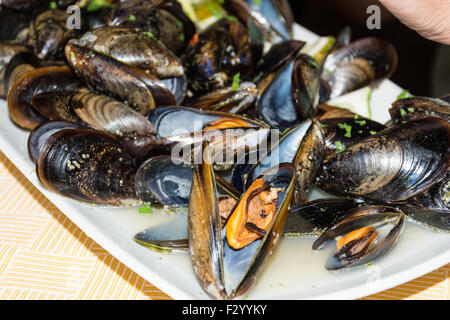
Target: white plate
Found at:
x=295, y=271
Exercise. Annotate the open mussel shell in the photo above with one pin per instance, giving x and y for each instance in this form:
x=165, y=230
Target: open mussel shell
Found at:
x=142, y=91
x=359, y=64
x=167, y=237
x=303, y=146
x=225, y=272
x=164, y=19
x=49, y=33
x=46, y=79
x=419, y=107
x=314, y=217
x=291, y=95
x=431, y=207
x=278, y=55
x=392, y=165
x=171, y=121
x=228, y=99
x=273, y=17
x=39, y=136
x=141, y=49
x=132, y=129
x=87, y=165
x=340, y=133
x=364, y=234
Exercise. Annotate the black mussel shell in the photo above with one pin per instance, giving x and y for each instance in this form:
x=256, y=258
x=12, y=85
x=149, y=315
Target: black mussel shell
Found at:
x=39, y=136
x=343, y=132
x=431, y=207
x=228, y=99
x=392, y=165
x=46, y=79
x=359, y=64
x=49, y=34
x=102, y=73
x=87, y=165
x=316, y=216
x=164, y=19
x=7, y=52
x=419, y=107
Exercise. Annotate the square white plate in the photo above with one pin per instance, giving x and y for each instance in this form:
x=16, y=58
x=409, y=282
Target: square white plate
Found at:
x=295, y=271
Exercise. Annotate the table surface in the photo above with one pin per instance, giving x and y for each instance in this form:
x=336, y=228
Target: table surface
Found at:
x=43, y=255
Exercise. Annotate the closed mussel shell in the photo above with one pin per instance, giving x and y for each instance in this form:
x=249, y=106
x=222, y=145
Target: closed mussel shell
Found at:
x=87, y=165
x=419, y=107
x=102, y=73
x=392, y=165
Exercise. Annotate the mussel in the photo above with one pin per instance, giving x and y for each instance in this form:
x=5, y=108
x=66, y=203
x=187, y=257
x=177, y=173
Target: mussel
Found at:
x=364, y=234
x=216, y=55
x=7, y=52
x=102, y=73
x=228, y=259
x=46, y=79
x=392, y=165
x=49, y=34
x=431, y=207
x=14, y=25
x=164, y=19
x=141, y=49
x=229, y=99
x=38, y=137
x=303, y=146
x=87, y=165
x=359, y=64
x=171, y=121
x=132, y=129
x=419, y=107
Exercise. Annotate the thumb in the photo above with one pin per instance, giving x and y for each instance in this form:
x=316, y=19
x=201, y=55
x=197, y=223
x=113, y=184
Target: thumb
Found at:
x=428, y=17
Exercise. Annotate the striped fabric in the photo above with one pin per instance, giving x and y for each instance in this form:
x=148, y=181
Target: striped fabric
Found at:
x=43, y=255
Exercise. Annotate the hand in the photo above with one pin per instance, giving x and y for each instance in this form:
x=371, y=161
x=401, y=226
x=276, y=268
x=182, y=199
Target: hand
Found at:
x=430, y=18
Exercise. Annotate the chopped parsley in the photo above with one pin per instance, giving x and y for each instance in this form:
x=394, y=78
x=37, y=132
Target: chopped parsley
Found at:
x=236, y=82
x=402, y=112
x=339, y=147
x=347, y=128
x=361, y=122
x=132, y=17
x=410, y=110
x=146, y=209
x=149, y=34
x=404, y=94
x=53, y=5
x=95, y=5
x=372, y=132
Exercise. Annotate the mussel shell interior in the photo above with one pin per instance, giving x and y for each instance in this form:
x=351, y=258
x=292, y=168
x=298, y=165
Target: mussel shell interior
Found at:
x=242, y=264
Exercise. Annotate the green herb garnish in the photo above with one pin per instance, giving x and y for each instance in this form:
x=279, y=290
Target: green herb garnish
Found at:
x=361, y=122
x=232, y=18
x=236, y=82
x=410, y=110
x=53, y=5
x=182, y=37
x=149, y=34
x=132, y=17
x=339, y=147
x=347, y=128
x=95, y=5
x=402, y=112
x=404, y=94
x=146, y=209
x=372, y=132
